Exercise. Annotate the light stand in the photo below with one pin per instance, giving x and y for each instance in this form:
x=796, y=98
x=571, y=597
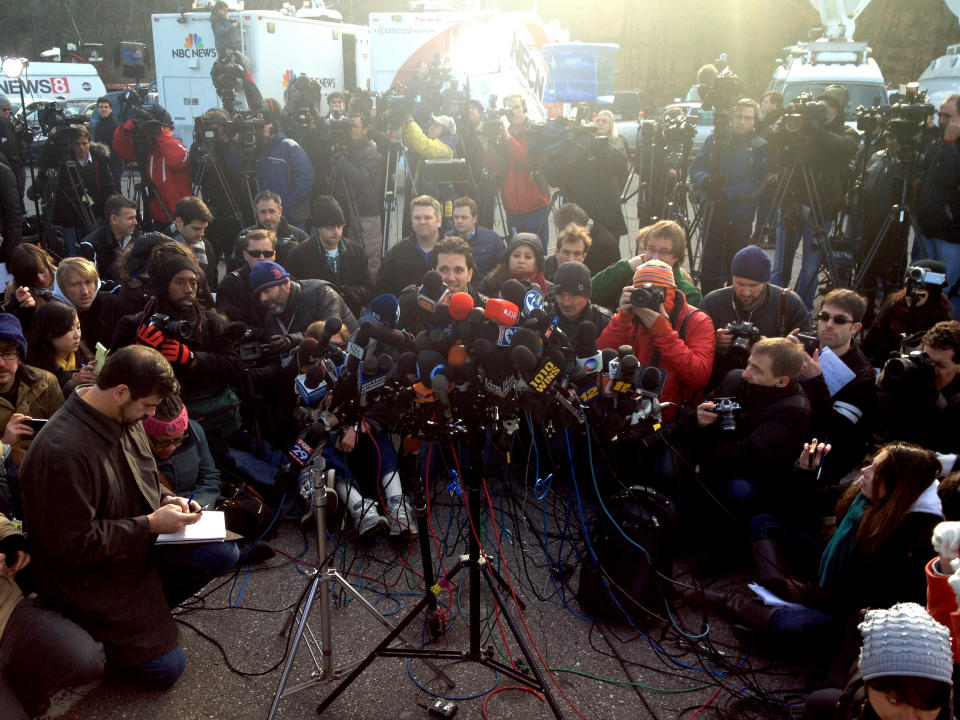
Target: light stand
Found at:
x=475, y=565
x=13, y=68
x=320, y=490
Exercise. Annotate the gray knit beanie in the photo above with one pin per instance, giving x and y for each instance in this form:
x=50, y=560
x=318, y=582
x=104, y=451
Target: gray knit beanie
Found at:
x=905, y=640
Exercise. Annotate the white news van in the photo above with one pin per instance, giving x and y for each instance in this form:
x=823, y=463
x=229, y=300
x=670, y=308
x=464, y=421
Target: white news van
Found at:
x=499, y=53
x=811, y=66
x=280, y=46
x=52, y=81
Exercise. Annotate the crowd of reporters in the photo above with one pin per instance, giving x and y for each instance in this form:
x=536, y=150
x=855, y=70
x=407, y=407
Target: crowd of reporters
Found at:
x=745, y=383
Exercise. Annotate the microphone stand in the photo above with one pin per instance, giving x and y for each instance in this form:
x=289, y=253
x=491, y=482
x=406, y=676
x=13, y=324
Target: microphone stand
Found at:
x=476, y=566
x=319, y=493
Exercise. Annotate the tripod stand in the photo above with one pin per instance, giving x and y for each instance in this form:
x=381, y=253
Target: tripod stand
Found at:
x=390, y=186
x=476, y=566
x=206, y=168
x=321, y=487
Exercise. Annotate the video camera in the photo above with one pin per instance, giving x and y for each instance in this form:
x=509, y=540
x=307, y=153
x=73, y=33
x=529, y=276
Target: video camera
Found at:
x=803, y=113
x=556, y=144
x=227, y=73
x=907, y=120
x=51, y=117
x=908, y=374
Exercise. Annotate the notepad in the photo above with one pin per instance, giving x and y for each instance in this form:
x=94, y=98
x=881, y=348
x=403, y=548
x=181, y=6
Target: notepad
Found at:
x=209, y=528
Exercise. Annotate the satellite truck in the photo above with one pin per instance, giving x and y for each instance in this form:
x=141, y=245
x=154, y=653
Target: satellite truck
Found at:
x=833, y=58
x=281, y=45
x=941, y=78
x=497, y=53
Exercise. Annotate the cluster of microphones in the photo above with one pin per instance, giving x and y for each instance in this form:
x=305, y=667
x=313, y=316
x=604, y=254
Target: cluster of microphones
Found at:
x=472, y=367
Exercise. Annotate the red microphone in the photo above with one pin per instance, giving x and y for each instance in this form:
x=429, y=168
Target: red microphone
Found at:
x=460, y=305
x=502, y=312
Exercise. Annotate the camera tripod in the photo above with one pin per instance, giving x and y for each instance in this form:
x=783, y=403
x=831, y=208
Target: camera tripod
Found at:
x=390, y=185
x=475, y=566
x=342, y=186
x=810, y=198
x=321, y=487
x=207, y=167
x=659, y=196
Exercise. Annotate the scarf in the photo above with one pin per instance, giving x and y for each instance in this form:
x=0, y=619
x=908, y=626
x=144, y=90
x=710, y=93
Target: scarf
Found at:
x=840, y=548
x=536, y=277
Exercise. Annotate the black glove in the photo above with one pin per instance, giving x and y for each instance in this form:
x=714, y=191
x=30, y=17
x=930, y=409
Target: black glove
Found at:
x=280, y=344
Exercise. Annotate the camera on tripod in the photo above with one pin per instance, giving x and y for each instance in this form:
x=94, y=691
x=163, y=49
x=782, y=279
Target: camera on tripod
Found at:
x=182, y=330
x=745, y=334
x=804, y=112
x=647, y=296
x=226, y=73
x=338, y=132
x=907, y=120
x=725, y=407
x=50, y=117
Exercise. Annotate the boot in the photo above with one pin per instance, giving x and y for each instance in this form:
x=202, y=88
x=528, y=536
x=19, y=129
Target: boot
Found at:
x=740, y=604
x=767, y=560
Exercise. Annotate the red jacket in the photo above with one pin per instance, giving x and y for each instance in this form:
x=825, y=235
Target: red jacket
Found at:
x=167, y=167
x=688, y=362
x=942, y=606
x=521, y=193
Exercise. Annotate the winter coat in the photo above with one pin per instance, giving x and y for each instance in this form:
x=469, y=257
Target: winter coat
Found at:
x=743, y=170
x=608, y=285
x=420, y=148
x=687, y=360
x=310, y=301
x=98, y=322
x=595, y=183
x=938, y=202
x=226, y=36
x=103, y=133
x=361, y=166
x=897, y=318
x=288, y=237
x=11, y=541
x=308, y=260
x=487, y=246
x=599, y=316
x=942, y=603
x=11, y=216
x=190, y=469
x=284, y=168
x=88, y=484
x=97, y=181
x=521, y=193
x=38, y=395
x=167, y=167
x=402, y=265
x=236, y=300
x=102, y=248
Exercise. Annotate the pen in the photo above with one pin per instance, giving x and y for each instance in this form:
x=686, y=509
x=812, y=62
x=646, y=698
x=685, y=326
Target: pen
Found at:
x=190, y=500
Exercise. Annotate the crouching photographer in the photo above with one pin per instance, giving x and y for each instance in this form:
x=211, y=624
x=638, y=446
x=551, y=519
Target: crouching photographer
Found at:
x=751, y=429
x=193, y=339
x=919, y=391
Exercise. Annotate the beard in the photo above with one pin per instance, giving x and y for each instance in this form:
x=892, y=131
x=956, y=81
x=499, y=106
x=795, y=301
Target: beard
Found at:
x=277, y=309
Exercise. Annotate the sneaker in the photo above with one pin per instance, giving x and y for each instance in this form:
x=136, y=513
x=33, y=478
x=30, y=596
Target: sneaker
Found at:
x=371, y=523
x=400, y=522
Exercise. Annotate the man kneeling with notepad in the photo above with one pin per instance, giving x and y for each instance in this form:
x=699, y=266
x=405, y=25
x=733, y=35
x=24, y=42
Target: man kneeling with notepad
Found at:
x=94, y=507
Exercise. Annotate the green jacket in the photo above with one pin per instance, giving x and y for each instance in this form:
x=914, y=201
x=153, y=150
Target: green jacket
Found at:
x=608, y=284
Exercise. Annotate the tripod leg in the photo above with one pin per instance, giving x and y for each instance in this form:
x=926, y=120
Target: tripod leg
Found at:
x=298, y=636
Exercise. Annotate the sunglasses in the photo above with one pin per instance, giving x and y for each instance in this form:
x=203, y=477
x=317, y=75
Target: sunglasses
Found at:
x=837, y=319
x=260, y=253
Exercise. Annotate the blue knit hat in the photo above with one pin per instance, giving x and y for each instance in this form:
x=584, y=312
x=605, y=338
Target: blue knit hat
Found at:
x=265, y=274
x=12, y=331
x=751, y=263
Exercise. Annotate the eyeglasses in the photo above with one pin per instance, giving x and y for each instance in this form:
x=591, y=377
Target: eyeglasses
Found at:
x=172, y=442
x=9, y=356
x=662, y=252
x=837, y=319
x=260, y=253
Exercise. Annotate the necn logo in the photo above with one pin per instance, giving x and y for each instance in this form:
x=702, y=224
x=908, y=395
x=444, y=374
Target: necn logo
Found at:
x=193, y=48
x=288, y=77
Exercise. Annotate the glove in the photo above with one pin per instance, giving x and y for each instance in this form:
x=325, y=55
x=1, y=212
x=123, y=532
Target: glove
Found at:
x=150, y=336
x=946, y=538
x=235, y=331
x=176, y=352
x=280, y=343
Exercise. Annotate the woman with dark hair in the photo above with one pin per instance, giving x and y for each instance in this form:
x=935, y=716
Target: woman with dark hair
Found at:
x=33, y=272
x=875, y=558
x=523, y=260
x=55, y=345
x=906, y=314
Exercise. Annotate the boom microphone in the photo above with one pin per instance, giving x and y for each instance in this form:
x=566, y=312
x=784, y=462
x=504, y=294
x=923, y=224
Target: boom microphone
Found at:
x=589, y=358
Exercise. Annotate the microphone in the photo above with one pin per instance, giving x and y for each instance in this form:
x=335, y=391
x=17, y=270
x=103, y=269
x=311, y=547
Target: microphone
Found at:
x=307, y=443
x=513, y=290
x=407, y=365
x=311, y=385
x=433, y=291
x=526, y=338
x=525, y=361
x=589, y=358
x=502, y=312
x=307, y=347
x=623, y=382
x=609, y=356
x=461, y=304
x=429, y=364
x=394, y=338
x=498, y=378
x=457, y=356
x=440, y=384
x=385, y=309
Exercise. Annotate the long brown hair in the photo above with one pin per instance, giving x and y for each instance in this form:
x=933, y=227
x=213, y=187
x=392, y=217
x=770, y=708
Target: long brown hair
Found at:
x=905, y=472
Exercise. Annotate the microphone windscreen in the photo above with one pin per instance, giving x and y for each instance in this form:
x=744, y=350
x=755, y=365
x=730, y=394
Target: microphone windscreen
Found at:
x=650, y=379
x=440, y=383
x=501, y=312
x=384, y=362
x=427, y=362
x=489, y=331
x=370, y=365
x=476, y=315
x=407, y=364
x=422, y=341
x=585, y=339
x=466, y=332
x=624, y=350
x=306, y=348
x=524, y=359
x=460, y=305
x=513, y=291
x=483, y=348
x=385, y=309
x=555, y=356
x=315, y=376
x=332, y=326
x=608, y=355
x=497, y=364
x=411, y=445
x=314, y=434
x=234, y=331
x=526, y=338
x=432, y=285
x=457, y=356
x=441, y=316
x=628, y=366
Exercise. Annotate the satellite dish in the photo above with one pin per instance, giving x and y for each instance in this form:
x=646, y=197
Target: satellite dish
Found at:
x=839, y=17
x=954, y=6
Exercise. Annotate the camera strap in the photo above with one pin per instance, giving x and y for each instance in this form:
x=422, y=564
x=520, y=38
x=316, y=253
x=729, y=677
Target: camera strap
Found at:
x=681, y=331
x=782, y=310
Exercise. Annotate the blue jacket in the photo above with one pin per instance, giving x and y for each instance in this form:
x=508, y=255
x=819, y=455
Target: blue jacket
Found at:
x=191, y=469
x=285, y=168
x=488, y=248
x=743, y=171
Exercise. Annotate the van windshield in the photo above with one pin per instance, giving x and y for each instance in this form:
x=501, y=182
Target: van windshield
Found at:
x=866, y=94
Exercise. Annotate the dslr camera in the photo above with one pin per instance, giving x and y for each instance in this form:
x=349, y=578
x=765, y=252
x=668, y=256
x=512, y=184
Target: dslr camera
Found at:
x=725, y=407
x=648, y=296
x=745, y=334
x=181, y=330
